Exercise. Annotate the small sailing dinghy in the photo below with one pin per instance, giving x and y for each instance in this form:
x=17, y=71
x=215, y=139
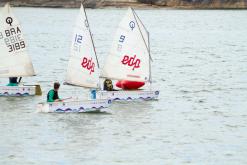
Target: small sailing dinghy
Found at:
x=15, y=61
x=83, y=71
x=129, y=59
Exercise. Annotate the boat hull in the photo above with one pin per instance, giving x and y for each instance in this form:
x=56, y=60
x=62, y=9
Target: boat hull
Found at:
x=17, y=90
x=74, y=106
x=128, y=95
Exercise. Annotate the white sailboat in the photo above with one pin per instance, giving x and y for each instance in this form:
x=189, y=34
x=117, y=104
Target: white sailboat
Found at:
x=15, y=61
x=129, y=59
x=83, y=70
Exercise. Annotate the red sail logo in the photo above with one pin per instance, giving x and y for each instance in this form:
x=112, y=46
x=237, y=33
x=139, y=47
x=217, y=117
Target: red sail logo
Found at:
x=88, y=64
x=131, y=61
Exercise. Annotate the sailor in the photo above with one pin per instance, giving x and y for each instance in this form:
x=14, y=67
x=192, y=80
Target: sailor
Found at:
x=12, y=81
x=108, y=85
x=53, y=93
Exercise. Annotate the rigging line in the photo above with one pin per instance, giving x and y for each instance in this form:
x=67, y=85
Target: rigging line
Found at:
x=150, y=65
x=91, y=37
x=150, y=58
x=135, y=15
x=98, y=85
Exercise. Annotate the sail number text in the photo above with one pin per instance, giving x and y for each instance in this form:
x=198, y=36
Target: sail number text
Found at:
x=13, y=39
x=77, y=42
x=120, y=42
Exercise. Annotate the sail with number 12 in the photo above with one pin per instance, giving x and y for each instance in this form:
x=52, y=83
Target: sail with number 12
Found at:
x=129, y=59
x=83, y=70
x=15, y=61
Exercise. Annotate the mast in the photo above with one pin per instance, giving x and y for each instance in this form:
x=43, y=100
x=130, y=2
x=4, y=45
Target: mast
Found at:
x=8, y=6
x=91, y=37
x=147, y=46
x=93, y=44
x=150, y=65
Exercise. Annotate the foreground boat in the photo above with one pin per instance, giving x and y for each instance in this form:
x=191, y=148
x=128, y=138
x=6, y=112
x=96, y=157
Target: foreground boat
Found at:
x=15, y=61
x=82, y=71
x=129, y=59
x=74, y=106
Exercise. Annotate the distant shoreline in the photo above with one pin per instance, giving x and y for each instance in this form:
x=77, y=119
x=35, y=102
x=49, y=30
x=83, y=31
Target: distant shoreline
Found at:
x=125, y=4
x=93, y=6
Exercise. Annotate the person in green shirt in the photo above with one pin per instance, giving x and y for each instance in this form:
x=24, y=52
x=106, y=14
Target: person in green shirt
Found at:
x=52, y=95
x=12, y=81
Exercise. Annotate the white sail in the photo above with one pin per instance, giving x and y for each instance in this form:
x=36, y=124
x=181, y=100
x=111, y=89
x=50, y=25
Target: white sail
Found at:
x=129, y=57
x=14, y=60
x=83, y=66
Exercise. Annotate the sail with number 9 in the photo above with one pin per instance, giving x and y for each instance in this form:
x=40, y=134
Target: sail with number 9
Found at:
x=129, y=57
x=15, y=61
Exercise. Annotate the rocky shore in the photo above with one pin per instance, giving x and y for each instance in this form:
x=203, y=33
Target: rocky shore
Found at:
x=184, y=4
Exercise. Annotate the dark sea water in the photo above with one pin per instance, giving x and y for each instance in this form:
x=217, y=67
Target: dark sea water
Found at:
x=200, y=67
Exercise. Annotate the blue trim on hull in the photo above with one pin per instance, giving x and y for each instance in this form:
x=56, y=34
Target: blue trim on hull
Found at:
x=17, y=94
x=78, y=110
x=155, y=96
x=130, y=98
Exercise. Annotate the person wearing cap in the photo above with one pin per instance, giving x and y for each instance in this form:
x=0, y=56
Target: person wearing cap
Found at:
x=52, y=95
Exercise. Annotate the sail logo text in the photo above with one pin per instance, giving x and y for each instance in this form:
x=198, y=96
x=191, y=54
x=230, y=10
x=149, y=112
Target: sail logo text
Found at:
x=88, y=64
x=131, y=61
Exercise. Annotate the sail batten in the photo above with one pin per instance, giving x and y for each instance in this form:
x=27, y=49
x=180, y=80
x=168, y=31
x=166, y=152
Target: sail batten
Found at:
x=83, y=64
x=15, y=61
x=129, y=57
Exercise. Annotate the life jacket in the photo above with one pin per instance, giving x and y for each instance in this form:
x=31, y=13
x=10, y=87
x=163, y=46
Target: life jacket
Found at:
x=55, y=96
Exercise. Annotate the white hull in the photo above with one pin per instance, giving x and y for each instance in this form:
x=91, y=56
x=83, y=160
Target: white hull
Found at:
x=74, y=106
x=128, y=95
x=17, y=90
